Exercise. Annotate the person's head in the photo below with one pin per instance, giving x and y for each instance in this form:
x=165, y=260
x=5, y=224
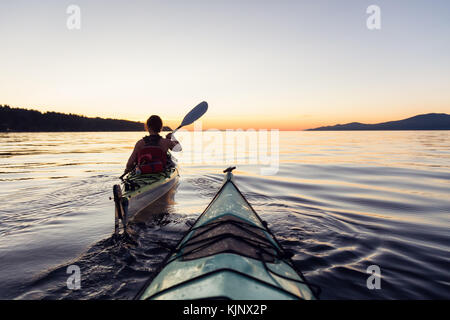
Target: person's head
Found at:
x=154, y=124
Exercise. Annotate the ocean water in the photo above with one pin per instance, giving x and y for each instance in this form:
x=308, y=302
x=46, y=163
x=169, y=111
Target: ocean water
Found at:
x=342, y=201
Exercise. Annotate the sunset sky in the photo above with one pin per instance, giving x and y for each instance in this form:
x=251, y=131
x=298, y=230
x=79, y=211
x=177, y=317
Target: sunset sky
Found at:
x=259, y=64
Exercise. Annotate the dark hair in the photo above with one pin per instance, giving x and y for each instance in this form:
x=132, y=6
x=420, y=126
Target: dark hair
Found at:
x=154, y=123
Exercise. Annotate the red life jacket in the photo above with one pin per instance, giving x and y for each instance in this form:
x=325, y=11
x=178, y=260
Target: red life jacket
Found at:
x=151, y=158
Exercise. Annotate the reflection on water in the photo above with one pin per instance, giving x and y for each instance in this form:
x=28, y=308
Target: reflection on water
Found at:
x=342, y=201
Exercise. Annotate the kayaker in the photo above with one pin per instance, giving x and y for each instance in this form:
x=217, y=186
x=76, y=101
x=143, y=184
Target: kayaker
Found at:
x=150, y=153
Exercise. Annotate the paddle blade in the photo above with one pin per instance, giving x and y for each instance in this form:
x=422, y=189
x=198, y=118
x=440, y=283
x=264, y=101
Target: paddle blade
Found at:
x=195, y=114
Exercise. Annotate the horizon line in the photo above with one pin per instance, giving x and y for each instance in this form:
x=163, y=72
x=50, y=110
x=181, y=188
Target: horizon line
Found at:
x=211, y=128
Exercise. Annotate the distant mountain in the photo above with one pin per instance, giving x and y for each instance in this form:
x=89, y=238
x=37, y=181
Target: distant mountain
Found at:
x=430, y=121
x=24, y=120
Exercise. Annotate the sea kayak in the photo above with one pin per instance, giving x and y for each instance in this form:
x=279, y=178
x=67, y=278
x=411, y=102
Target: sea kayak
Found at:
x=229, y=253
x=138, y=191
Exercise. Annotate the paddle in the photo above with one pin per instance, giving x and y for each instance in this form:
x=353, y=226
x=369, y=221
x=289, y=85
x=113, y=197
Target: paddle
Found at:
x=193, y=115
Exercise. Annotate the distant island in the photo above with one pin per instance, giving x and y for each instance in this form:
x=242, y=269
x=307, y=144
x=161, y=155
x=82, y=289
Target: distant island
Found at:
x=429, y=121
x=25, y=120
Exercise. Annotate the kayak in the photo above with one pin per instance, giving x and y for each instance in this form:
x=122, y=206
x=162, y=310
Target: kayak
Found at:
x=138, y=191
x=229, y=253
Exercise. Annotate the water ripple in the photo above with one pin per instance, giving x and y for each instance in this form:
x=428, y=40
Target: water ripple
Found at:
x=340, y=201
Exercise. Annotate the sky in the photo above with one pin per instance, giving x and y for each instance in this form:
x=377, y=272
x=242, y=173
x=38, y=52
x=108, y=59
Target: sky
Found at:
x=288, y=65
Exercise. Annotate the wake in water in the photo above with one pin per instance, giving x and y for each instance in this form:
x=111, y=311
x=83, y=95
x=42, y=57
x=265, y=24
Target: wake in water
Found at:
x=117, y=267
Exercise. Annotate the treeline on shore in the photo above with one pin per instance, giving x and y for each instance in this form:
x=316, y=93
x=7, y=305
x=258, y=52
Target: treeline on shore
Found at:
x=25, y=120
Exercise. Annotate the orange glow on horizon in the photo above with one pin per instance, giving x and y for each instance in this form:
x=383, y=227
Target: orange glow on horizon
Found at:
x=246, y=123
x=283, y=121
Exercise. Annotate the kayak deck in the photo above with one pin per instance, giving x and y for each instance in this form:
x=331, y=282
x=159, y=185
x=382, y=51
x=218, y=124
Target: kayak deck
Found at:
x=138, y=184
x=228, y=254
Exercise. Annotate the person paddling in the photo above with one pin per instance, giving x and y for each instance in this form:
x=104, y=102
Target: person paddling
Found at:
x=150, y=153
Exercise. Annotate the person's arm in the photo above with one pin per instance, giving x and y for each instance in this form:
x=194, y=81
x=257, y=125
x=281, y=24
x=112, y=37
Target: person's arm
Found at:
x=132, y=161
x=174, y=145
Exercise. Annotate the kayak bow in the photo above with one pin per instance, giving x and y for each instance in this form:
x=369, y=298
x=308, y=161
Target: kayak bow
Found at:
x=229, y=253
